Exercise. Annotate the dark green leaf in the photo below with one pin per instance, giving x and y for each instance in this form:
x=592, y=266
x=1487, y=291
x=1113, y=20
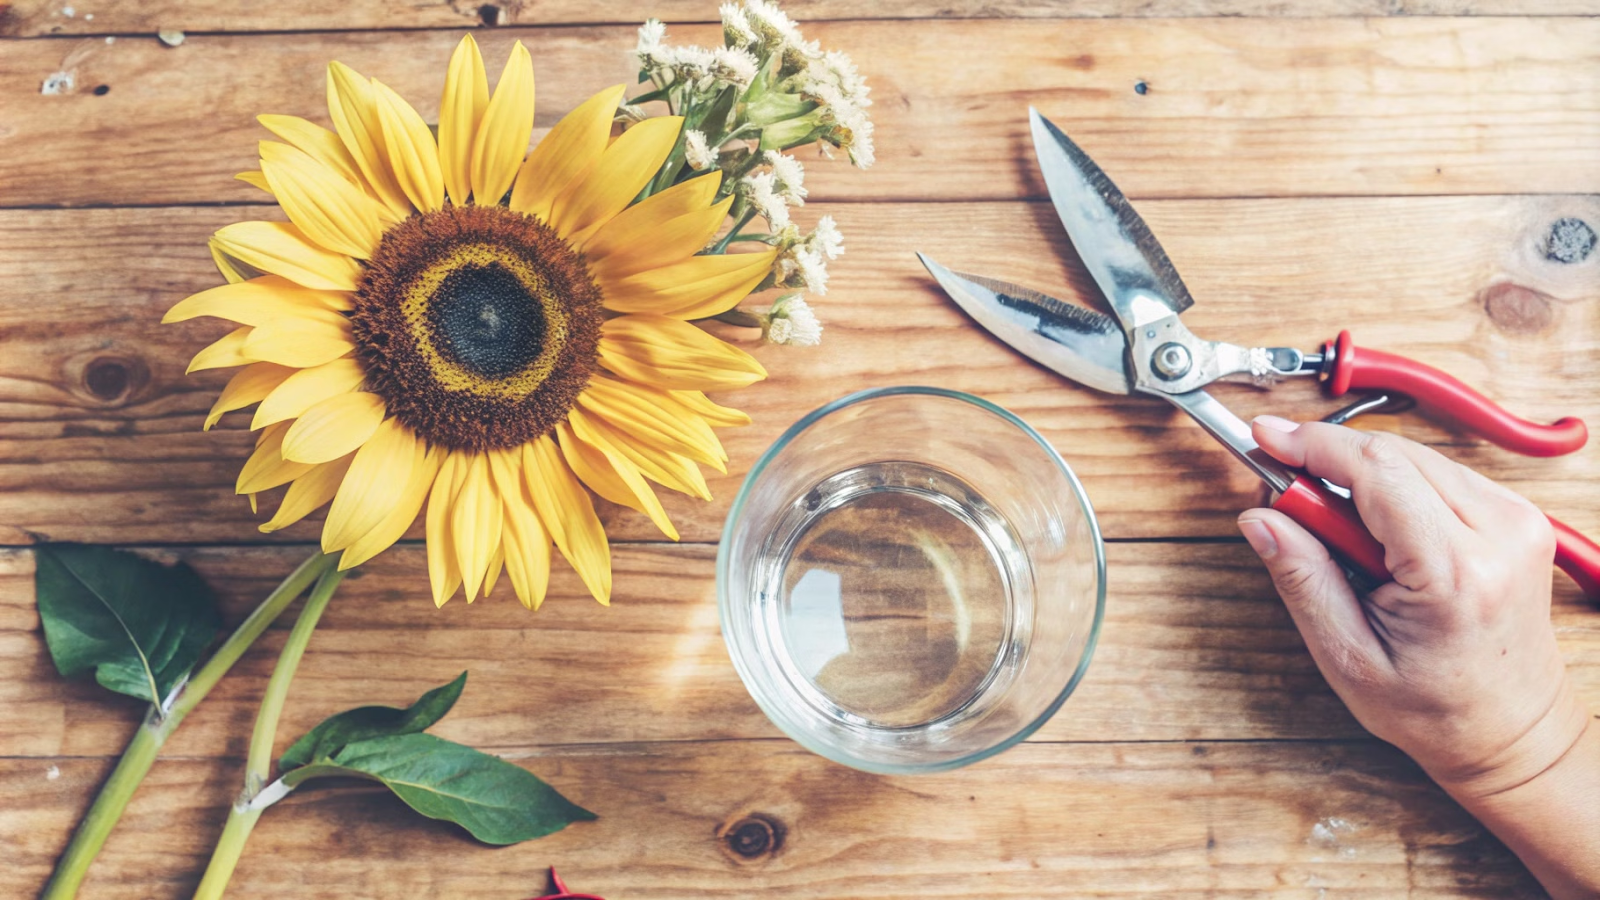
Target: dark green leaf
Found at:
x=497, y=802
x=367, y=722
x=139, y=625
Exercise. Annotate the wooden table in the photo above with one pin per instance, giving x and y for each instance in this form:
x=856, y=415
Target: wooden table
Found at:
x=1390, y=167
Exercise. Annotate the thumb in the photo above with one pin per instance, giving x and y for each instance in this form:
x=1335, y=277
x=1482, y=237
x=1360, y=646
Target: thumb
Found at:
x=1325, y=608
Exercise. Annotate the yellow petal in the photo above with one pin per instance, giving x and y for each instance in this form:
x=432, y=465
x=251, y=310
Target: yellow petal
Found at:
x=657, y=231
x=502, y=135
x=696, y=288
x=568, y=150
x=232, y=270
x=254, y=302
x=254, y=179
x=413, y=156
x=371, y=489
x=568, y=514
x=308, y=493
x=443, y=574
x=668, y=469
x=334, y=427
x=608, y=473
x=229, y=351
x=670, y=353
x=266, y=468
x=306, y=388
x=424, y=468
x=475, y=524
x=466, y=95
x=615, y=178
x=717, y=416
x=328, y=210
x=525, y=541
x=319, y=143
x=651, y=416
x=496, y=563
x=355, y=117
x=279, y=248
x=301, y=341
x=250, y=384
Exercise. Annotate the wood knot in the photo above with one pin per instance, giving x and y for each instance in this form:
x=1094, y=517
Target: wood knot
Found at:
x=1569, y=241
x=756, y=836
x=1515, y=309
x=113, y=380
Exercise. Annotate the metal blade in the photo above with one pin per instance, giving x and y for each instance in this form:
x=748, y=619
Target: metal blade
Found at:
x=1081, y=344
x=1125, y=259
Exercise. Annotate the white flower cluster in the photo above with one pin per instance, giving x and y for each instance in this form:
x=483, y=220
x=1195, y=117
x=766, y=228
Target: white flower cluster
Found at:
x=697, y=67
x=772, y=191
x=828, y=79
x=803, y=260
x=765, y=91
x=790, y=321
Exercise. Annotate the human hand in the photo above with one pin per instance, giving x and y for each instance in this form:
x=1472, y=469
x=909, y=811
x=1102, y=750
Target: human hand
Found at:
x=1454, y=661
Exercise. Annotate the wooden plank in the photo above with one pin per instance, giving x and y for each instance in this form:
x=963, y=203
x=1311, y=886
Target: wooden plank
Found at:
x=1460, y=283
x=1195, y=646
x=1042, y=820
x=30, y=18
x=1234, y=107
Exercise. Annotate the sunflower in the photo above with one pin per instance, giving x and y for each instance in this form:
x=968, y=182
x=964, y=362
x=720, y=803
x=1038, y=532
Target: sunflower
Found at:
x=459, y=324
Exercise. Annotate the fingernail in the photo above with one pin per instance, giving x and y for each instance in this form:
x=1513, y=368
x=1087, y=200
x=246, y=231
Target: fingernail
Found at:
x=1275, y=423
x=1259, y=537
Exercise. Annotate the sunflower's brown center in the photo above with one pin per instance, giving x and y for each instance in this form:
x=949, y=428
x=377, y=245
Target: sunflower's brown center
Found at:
x=478, y=326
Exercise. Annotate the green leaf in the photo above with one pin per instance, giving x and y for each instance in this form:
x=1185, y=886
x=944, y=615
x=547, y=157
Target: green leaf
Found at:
x=139, y=625
x=497, y=802
x=367, y=722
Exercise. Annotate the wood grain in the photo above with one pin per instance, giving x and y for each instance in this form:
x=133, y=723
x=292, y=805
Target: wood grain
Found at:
x=1195, y=646
x=1234, y=107
x=1042, y=820
x=99, y=436
x=27, y=18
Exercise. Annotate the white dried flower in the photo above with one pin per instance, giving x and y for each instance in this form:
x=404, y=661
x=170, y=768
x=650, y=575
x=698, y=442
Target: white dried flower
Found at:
x=760, y=189
x=802, y=262
x=855, y=137
x=788, y=176
x=696, y=152
x=631, y=115
x=736, y=31
x=690, y=65
x=649, y=51
x=826, y=239
x=735, y=66
x=791, y=321
x=776, y=30
x=836, y=66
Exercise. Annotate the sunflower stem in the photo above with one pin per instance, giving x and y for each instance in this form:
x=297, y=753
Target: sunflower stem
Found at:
x=242, y=815
x=158, y=726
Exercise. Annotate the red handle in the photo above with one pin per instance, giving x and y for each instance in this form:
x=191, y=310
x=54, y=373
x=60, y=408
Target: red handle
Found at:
x=1376, y=370
x=1334, y=521
x=1579, y=557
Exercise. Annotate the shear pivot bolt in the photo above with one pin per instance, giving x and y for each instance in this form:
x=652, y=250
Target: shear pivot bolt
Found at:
x=1172, y=361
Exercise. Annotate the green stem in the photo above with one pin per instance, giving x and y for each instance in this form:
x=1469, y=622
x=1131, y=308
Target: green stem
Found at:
x=242, y=816
x=722, y=245
x=147, y=741
x=229, y=848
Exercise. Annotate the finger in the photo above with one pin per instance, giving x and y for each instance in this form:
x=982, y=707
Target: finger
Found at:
x=1398, y=505
x=1320, y=600
x=1476, y=500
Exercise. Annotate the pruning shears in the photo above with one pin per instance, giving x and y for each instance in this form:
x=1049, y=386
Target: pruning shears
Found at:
x=1143, y=347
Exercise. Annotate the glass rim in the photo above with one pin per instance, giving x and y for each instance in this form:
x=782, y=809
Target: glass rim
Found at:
x=724, y=602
